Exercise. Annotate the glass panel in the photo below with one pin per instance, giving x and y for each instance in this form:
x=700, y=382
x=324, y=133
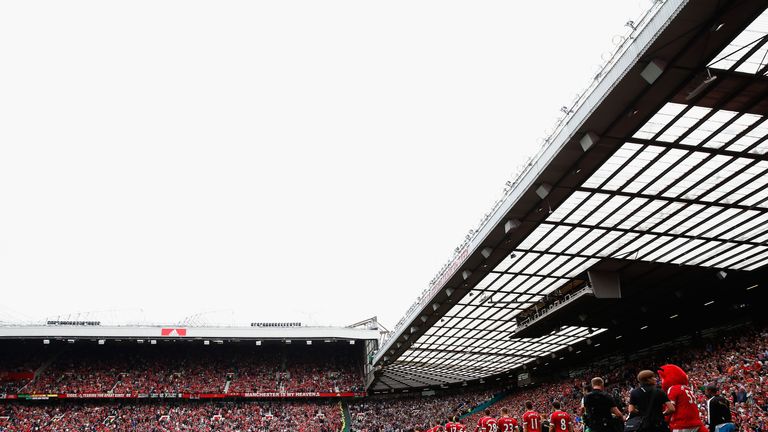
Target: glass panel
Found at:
x=740, y=45
x=659, y=120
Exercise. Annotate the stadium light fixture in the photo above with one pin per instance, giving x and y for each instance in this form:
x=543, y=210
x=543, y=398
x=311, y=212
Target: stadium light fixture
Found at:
x=486, y=252
x=653, y=70
x=643, y=327
x=287, y=341
x=152, y=342
x=309, y=342
x=511, y=224
x=709, y=79
x=101, y=342
x=721, y=275
x=206, y=342
x=673, y=316
x=351, y=342
x=752, y=287
x=543, y=190
x=70, y=341
x=46, y=341
x=588, y=141
x=258, y=343
x=709, y=303
x=597, y=345
x=449, y=291
x=466, y=274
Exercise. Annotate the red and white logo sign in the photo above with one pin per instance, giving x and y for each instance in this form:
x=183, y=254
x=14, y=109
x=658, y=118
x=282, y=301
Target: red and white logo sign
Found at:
x=173, y=332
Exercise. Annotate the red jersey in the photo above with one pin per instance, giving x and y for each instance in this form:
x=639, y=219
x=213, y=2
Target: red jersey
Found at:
x=506, y=424
x=487, y=424
x=454, y=427
x=686, y=413
x=532, y=421
x=559, y=421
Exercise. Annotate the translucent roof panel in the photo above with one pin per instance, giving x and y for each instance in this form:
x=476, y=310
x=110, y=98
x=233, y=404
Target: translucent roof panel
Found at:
x=740, y=47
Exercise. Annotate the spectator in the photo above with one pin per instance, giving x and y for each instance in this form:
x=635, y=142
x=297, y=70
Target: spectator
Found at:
x=600, y=412
x=718, y=411
x=650, y=403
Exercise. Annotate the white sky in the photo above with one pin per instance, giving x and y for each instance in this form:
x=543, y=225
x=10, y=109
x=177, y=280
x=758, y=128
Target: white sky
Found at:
x=313, y=161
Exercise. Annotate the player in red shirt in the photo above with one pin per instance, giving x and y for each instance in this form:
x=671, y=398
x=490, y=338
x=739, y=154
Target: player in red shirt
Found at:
x=560, y=421
x=531, y=419
x=486, y=423
x=454, y=425
x=507, y=423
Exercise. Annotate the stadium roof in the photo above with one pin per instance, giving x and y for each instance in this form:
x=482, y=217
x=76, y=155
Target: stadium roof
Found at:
x=664, y=161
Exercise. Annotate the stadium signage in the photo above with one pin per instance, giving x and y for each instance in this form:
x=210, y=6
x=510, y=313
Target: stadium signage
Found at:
x=270, y=324
x=72, y=323
x=173, y=332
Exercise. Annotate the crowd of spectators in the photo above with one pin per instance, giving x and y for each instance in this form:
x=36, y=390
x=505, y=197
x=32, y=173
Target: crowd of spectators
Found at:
x=390, y=414
x=736, y=363
x=18, y=357
x=304, y=373
x=256, y=416
x=186, y=368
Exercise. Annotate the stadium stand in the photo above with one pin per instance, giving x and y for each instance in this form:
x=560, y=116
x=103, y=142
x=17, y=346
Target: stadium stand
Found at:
x=733, y=360
x=123, y=368
x=165, y=416
x=412, y=412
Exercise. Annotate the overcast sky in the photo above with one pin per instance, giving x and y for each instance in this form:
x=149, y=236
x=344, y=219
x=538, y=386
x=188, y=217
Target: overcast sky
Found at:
x=313, y=161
